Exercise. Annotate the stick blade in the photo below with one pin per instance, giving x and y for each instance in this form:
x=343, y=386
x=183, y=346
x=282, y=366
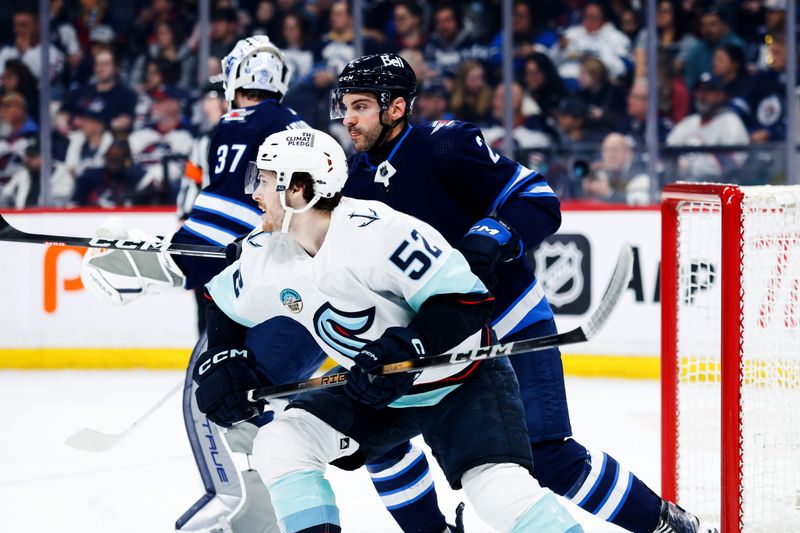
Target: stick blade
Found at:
x=90, y=440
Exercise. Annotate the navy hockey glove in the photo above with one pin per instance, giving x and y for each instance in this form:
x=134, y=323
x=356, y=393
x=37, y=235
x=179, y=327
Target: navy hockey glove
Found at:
x=375, y=390
x=489, y=242
x=223, y=375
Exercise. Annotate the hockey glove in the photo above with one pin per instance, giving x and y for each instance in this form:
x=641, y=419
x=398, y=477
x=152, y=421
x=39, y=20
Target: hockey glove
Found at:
x=223, y=375
x=375, y=390
x=489, y=242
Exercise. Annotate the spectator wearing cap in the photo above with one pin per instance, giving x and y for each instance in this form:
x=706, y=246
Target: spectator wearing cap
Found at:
x=162, y=146
x=774, y=25
x=27, y=47
x=605, y=100
x=408, y=29
x=573, y=137
x=594, y=36
x=714, y=124
x=224, y=32
x=528, y=34
x=714, y=32
x=432, y=104
x=114, y=184
x=527, y=133
x=86, y=149
x=542, y=85
x=101, y=38
x=767, y=96
x=619, y=177
x=107, y=97
x=450, y=43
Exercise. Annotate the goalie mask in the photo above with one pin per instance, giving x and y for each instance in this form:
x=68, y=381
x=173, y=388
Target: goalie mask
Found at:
x=300, y=150
x=255, y=63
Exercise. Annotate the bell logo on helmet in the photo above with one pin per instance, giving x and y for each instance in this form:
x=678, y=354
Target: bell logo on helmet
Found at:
x=390, y=60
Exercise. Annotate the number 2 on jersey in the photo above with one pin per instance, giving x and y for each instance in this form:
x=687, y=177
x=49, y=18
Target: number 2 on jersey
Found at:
x=222, y=156
x=420, y=256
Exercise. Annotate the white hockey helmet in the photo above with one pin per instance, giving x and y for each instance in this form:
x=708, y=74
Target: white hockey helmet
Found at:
x=255, y=63
x=300, y=150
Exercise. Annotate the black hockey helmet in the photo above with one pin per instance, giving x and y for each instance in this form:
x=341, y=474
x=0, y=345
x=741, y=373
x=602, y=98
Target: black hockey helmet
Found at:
x=387, y=76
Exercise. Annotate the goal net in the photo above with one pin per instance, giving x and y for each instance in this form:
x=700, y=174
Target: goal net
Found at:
x=731, y=354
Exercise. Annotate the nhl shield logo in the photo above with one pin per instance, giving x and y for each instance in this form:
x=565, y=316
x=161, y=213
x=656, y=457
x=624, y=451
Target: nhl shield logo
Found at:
x=291, y=299
x=562, y=270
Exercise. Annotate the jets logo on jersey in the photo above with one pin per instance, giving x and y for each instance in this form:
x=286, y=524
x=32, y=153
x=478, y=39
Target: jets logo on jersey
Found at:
x=237, y=115
x=340, y=329
x=438, y=124
x=290, y=298
x=368, y=219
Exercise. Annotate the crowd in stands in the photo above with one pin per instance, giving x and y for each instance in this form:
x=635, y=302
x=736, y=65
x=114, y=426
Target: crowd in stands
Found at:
x=127, y=109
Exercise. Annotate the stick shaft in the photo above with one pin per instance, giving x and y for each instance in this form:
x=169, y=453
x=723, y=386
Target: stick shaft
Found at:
x=12, y=234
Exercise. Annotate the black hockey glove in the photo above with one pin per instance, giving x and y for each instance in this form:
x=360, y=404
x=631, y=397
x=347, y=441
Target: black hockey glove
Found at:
x=395, y=345
x=489, y=242
x=233, y=250
x=223, y=375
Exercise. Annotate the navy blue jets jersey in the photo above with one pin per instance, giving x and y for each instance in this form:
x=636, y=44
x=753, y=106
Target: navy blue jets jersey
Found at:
x=445, y=174
x=223, y=211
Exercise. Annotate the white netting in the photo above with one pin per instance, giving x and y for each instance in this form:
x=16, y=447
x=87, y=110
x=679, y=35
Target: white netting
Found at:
x=770, y=366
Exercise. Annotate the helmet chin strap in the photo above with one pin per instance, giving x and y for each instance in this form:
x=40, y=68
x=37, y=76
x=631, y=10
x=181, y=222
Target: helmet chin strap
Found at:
x=289, y=211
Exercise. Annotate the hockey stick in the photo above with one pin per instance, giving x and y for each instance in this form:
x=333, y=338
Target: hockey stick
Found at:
x=12, y=234
x=616, y=287
x=91, y=440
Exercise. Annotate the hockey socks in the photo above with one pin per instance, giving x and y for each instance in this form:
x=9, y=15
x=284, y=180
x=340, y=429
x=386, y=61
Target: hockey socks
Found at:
x=597, y=483
x=404, y=483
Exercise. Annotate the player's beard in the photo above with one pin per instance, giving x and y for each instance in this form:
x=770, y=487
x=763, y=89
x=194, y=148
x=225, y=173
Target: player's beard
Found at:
x=366, y=139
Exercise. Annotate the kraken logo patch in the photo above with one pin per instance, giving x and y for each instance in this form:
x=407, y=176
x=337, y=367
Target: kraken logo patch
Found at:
x=291, y=299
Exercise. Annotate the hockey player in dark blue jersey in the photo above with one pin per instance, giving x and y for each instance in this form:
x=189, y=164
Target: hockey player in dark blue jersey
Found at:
x=494, y=210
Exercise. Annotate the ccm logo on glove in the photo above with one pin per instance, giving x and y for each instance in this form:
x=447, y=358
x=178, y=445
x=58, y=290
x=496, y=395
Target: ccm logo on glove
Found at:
x=485, y=229
x=218, y=358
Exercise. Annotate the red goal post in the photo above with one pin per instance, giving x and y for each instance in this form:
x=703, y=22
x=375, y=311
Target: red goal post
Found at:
x=730, y=354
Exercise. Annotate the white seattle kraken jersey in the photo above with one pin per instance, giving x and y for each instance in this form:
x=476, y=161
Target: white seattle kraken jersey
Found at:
x=374, y=270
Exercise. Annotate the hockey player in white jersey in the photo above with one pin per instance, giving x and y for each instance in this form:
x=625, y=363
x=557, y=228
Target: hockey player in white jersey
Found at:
x=372, y=286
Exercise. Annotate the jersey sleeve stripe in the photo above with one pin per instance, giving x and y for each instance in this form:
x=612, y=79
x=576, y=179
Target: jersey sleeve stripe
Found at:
x=221, y=203
x=226, y=216
x=453, y=277
x=521, y=176
x=210, y=232
x=516, y=313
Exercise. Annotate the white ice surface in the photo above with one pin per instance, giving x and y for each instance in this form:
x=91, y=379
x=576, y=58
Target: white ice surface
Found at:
x=149, y=480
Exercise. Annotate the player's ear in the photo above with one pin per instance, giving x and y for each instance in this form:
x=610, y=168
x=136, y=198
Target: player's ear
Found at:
x=397, y=108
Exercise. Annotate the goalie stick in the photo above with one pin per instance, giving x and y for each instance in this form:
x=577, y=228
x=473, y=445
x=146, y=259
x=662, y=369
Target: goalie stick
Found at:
x=619, y=282
x=91, y=440
x=12, y=234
